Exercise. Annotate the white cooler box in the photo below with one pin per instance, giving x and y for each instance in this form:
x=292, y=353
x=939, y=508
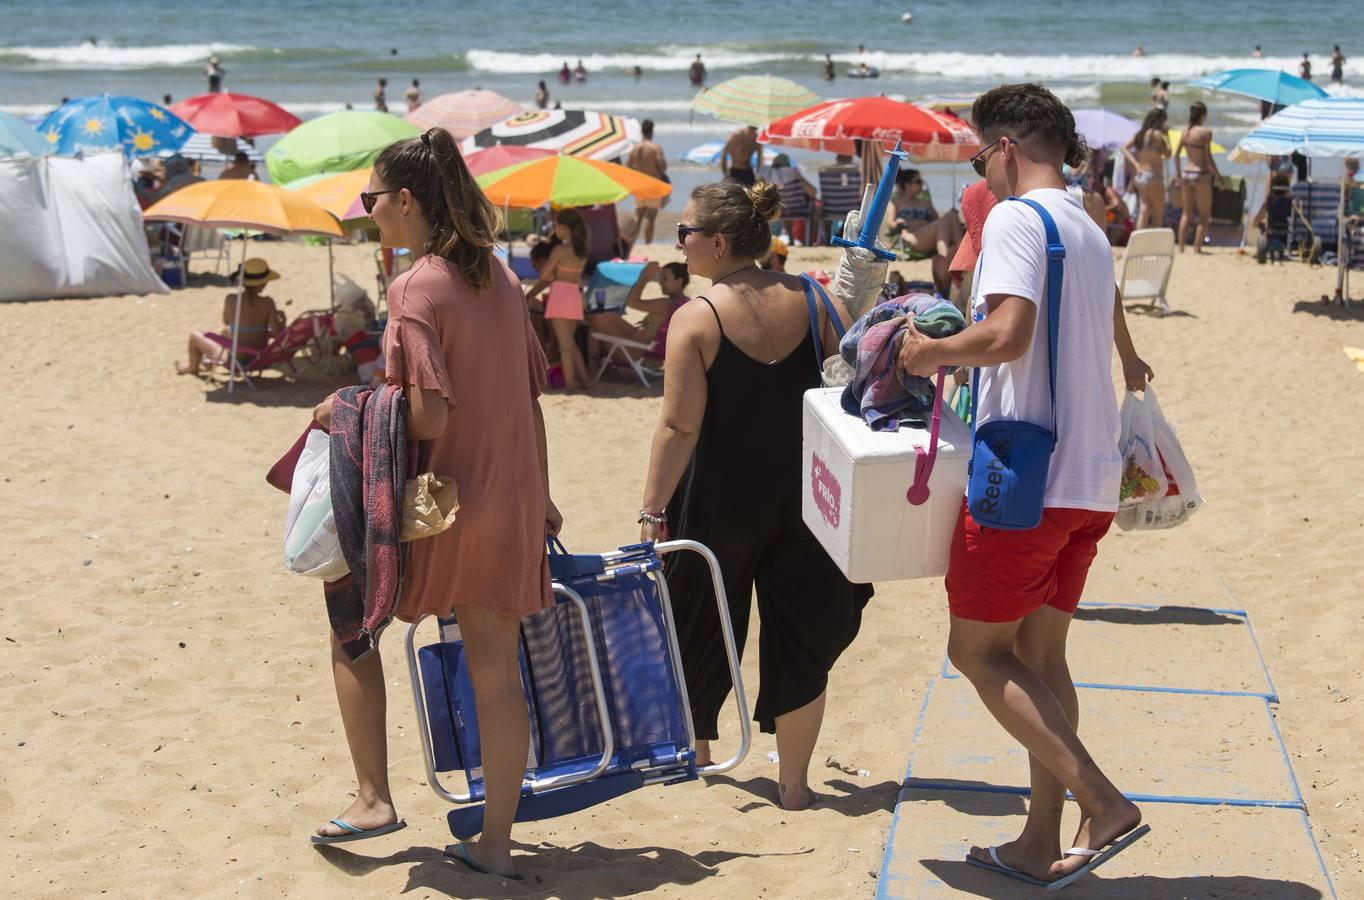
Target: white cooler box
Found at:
x=855, y=482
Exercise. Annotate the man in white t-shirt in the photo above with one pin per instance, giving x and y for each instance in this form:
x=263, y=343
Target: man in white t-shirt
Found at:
x=1012, y=593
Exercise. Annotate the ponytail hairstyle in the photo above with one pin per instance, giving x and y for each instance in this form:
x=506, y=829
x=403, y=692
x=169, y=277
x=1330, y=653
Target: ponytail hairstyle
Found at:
x=741, y=214
x=579, y=238
x=1029, y=112
x=1198, y=111
x=464, y=225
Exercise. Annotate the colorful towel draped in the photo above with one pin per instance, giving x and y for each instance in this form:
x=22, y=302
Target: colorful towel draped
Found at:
x=368, y=469
x=880, y=393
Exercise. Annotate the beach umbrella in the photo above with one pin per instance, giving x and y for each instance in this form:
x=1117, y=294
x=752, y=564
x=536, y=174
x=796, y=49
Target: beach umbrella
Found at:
x=948, y=102
x=17, y=138
x=708, y=154
x=205, y=146
x=835, y=126
x=490, y=159
x=754, y=99
x=1271, y=85
x=235, y=115
x=463, y=113
x=243, y=204
x=1323, y=128
x=576, y=132
x=338, y=194
x=568, y=181
x=1104, y=130
x=336, y=142
x=104, y=123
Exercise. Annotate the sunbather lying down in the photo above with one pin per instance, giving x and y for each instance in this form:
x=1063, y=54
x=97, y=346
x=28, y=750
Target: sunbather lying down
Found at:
x=260, y=321
x=672, y=279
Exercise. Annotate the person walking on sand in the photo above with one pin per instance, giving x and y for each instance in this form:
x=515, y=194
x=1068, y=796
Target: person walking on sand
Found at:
x=1197, y=177
x=1337, y=65
x=1012, y=593
x=737, y=367
x=413, y=96
x=736, y=159
x=697, y=72
x=542, y=95
x=648, y=157
x=1146, y=153
x=460, y=346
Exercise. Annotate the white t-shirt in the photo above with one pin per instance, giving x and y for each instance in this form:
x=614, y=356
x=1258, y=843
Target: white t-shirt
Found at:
x=1086, y=466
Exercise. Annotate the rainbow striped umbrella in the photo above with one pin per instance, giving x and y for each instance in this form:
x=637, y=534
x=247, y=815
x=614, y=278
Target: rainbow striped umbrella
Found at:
x=755, y=100
x=463, y=113
x=575, y=132
x=565, y=181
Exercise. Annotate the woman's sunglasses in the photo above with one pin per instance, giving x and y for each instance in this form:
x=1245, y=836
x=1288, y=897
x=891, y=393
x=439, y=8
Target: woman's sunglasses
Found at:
x=980, y=159
x=368, y=198
x=684, y=230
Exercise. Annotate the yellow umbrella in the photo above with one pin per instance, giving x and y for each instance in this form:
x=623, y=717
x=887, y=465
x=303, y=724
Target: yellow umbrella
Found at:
x=334, y=193
x=243, y=204
x=1176, y=133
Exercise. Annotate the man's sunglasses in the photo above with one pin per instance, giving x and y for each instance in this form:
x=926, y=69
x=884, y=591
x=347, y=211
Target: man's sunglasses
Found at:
x=368, y=198
x=684, y=230
x=980, y=159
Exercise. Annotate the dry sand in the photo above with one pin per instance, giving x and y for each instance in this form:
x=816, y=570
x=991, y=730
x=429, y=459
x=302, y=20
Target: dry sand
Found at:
x=172, y=729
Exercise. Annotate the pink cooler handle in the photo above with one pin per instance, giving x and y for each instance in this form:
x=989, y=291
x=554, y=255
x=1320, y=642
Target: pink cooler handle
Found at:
x=917, y=494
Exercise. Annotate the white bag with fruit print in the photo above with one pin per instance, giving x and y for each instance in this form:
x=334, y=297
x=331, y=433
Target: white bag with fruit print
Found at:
x=1179, y=498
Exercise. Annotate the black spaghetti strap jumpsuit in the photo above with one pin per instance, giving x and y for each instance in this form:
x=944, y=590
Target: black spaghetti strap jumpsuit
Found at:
x=740, y=496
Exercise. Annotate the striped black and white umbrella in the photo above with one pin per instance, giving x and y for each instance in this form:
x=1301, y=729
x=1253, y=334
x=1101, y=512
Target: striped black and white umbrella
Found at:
x=575, y=132
x=206, y=147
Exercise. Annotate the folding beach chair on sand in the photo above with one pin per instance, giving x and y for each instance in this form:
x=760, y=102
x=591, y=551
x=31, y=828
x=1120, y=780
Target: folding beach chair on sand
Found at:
x=604, y=689
x=307, y=330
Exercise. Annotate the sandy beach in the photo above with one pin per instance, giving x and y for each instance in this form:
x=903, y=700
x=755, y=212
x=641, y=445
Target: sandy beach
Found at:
x=173, y=730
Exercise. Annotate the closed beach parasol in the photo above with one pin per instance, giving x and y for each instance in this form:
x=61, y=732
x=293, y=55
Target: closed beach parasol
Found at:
x=17, y=138
x=754, y=99
x=336, y=142
x=568, y=181
x=105, y=123
x=235, y=115
x=573, y=131
x=1104, y=130
x=243, y=204
x=835, y=126
x=463, y=113
x=1270, y=85
x=1326, y=127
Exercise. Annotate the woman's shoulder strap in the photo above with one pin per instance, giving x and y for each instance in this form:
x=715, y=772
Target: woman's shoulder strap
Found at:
x=713, y=312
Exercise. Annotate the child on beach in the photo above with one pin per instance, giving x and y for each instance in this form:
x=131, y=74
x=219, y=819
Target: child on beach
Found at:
x=1012, y=593
x=562, y=275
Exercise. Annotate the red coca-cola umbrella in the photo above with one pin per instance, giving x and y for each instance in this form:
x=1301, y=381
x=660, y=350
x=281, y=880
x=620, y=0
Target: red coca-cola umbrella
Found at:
x=235, y=115
x=837, y=126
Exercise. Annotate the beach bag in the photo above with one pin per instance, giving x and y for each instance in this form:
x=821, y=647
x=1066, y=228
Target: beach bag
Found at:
x=1007, y=475
x=311, y=544
x=1180, y=499
x=833, y=370
x=1143, y=477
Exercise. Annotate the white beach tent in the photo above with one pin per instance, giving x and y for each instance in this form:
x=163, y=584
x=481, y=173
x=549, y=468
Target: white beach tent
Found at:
x=72, y=229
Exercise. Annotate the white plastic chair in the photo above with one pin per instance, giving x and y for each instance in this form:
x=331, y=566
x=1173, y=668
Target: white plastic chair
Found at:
x=1146, y=265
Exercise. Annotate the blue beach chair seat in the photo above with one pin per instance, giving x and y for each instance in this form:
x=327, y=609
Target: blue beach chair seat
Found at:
x=604, y=690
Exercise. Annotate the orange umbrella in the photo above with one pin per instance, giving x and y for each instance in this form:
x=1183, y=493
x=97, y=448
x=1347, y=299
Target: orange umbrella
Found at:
x=565, y=181
x=243, y=204
x=334, y=193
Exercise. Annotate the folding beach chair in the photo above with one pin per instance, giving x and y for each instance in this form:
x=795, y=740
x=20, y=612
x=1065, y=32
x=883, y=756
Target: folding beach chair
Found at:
x=307, y=330
x=797, y=208
x=840, y=192
x=1146, y=264
x=608, y=291
x=604, y=689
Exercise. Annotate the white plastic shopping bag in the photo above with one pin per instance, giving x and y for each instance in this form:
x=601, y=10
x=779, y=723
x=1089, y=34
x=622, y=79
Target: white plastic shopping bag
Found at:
x=1143, y=478
x=1181, y=498
x=311, y=545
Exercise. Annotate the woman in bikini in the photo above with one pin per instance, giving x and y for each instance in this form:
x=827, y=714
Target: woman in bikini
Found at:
x=562, y=274
x=1146, y=154
x=1197, y=176
x=260, y=321
x=918, y=224
x=672, y=279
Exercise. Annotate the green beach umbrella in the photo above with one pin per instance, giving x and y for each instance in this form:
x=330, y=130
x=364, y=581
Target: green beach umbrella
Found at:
x=337, y=142
x=756, y=100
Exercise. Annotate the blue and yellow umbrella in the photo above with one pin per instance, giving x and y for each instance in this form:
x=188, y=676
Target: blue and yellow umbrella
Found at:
x=103, y=124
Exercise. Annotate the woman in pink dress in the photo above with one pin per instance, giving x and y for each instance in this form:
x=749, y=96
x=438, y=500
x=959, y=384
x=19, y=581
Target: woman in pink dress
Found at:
x=459, y=344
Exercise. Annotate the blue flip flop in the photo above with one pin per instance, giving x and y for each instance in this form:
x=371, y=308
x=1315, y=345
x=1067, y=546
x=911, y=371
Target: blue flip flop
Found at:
x=356, y=834
x=460, y=854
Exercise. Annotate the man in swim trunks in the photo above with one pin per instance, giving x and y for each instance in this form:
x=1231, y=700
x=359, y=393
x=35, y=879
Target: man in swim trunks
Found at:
x=736, y=160
x=648, y=158
x=697, y=72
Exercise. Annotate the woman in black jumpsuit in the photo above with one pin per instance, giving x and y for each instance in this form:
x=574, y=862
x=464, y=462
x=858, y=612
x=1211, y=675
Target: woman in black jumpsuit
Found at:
x=727, y=461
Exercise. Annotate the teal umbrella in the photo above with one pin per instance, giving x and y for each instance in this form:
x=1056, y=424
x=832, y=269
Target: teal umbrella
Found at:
x=337, y=142
x=1271, y=85
x=18, y=138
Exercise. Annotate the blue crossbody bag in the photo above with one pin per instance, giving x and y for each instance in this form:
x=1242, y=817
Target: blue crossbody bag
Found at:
x=1007, y=478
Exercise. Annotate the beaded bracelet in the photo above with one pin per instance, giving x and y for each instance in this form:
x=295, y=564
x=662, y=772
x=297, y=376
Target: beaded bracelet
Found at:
x=648, y=518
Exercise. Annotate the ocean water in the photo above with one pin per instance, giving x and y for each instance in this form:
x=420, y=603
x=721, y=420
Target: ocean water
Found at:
x=315, y=56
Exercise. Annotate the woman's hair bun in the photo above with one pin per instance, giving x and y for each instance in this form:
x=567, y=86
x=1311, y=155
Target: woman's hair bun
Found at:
x=766, y=199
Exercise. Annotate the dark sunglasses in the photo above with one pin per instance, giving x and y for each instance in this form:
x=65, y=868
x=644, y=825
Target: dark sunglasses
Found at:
x=684, y=230
x=980, y=159
x=368, y=198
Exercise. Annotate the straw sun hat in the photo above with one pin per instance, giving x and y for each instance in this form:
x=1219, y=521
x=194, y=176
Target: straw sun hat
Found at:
x=257, y=273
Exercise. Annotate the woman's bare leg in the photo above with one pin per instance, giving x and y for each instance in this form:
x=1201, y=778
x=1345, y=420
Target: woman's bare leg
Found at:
x=200, y=348
x=360, y=695
x=492, y=646
x=1203, y=206
x=797, y=732
x=1186, y=204
x=575, y=369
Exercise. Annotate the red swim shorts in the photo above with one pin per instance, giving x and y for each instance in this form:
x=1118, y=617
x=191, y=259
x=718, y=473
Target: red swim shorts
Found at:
x=1002, y=576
